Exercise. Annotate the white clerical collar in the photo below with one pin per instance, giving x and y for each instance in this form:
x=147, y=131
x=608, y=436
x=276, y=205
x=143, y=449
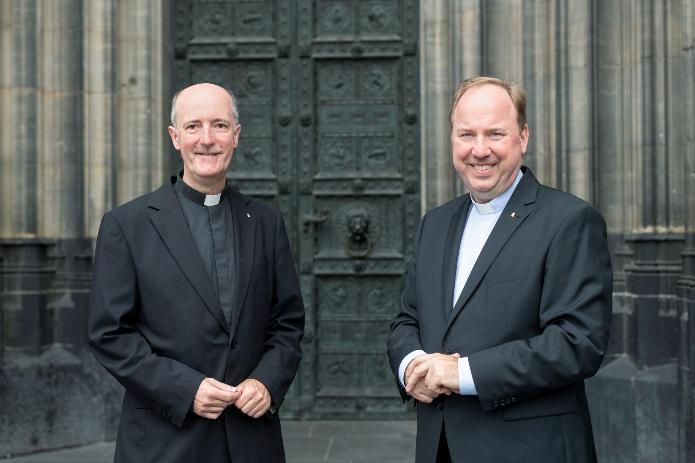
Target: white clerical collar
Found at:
x=196, y=196
x=212, y=200
x=497, y=205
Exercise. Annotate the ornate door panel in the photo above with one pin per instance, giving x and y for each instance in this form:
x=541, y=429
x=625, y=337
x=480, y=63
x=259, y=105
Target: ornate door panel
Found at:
x=328, y=102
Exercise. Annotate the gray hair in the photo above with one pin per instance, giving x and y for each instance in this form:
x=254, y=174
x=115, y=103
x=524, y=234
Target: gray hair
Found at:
x=232, y=98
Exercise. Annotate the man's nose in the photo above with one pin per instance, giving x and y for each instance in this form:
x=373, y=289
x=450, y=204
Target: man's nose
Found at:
x=480, y=147
x=207, y=137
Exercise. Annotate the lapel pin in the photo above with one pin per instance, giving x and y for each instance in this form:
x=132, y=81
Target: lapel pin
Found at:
x=248, y=215
x=514, y=215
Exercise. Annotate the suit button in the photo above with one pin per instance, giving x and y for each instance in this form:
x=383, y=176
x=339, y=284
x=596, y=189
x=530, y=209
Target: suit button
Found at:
x=440, y=405
x=447, y=351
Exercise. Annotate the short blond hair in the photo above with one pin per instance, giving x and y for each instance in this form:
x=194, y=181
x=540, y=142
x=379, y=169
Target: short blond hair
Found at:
x=515, y=92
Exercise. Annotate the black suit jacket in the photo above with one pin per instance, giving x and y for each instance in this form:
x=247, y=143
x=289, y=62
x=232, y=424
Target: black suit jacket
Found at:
x=533, y=319
x=157, y=326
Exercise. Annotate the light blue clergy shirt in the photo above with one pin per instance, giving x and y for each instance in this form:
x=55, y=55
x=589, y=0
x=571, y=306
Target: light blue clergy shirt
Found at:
x=479, y=224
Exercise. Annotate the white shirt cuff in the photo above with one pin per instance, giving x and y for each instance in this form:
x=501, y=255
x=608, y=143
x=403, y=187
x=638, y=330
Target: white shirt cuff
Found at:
x=466, y=384
x=405, y=362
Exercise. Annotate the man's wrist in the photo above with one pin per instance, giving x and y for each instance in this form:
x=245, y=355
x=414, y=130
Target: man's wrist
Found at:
x=466, y=383
x=405, y=362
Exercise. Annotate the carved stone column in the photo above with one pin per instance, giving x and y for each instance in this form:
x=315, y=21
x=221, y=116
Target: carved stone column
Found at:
x=141, y=126
x=539, y=82
x=574, y=76
x=19, y=132
x=99, y=111
x=502, y=32
x=61, y=168
x=646, y=326
x=436, y=89
x=656, y=228
x=613, y=161
x=686, y=283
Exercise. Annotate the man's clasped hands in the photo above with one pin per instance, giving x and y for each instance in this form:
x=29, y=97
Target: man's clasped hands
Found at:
x=430, y=375
x=250, y=396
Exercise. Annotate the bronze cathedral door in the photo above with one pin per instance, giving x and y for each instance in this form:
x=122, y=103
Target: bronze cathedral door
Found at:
x=329, y=101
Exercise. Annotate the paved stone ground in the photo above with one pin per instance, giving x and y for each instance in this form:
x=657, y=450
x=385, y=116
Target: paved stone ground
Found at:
x=305, y=442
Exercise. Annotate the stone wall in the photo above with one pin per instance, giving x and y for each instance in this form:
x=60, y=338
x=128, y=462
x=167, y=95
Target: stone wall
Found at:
x=82, y=90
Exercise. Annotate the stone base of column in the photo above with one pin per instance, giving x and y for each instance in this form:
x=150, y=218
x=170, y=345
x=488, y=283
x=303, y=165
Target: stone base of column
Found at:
x=55, y=400
x=635, y=412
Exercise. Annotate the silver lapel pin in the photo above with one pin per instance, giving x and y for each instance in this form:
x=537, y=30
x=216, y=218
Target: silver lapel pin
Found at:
x=514, y=215
x=248, y=215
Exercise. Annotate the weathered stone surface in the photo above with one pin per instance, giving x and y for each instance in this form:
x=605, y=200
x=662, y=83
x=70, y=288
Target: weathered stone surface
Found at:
x=656, y=414
x=612, y=404
x=54, y=400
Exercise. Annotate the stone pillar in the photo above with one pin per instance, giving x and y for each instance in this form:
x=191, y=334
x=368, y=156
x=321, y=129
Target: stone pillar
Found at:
x=656, y=234
x=575, y=174
x=26, y=280
x=502, y=39
x=61, y=168
x=466, y=46
x=539, y=82
x=613, y=162
x=19, y=132
x=6, y=21
x=99, y=35
x=439, y=179
x=646, y=323
x=141, y=127
x=686, y=283
x=22, y=273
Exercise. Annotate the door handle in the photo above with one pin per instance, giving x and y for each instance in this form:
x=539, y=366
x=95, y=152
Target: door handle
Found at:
x=309, y=220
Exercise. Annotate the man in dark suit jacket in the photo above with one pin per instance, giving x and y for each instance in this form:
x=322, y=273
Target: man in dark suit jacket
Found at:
x=507, y=303
x=195, y=304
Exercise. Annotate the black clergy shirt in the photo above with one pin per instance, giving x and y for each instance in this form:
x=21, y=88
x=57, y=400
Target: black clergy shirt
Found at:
x=212, y=229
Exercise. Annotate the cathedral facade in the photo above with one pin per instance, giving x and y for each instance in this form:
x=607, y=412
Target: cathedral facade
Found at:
x=344, y=110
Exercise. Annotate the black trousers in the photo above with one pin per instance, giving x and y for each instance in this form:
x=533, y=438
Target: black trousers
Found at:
x=443, y=455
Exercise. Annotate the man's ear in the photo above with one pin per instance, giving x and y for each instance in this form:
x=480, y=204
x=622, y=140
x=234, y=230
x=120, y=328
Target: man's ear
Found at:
x=174, y=137
x=524, y=139
x=237, y=131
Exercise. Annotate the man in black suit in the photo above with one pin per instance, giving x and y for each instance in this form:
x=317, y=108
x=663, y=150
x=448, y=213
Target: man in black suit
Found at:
x=507, y=302
x=195, y=304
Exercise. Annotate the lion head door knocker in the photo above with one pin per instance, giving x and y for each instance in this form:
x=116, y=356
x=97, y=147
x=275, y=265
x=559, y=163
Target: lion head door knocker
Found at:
x=358, y=243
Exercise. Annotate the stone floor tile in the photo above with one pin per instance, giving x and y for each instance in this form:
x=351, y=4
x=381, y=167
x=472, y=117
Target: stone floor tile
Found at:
x=314, y=447
x=378, y=448
x=405, y=429
x=292, y=429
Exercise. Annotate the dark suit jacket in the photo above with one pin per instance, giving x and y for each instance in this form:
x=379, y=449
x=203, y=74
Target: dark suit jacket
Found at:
x=533, y=319
x=156, y=325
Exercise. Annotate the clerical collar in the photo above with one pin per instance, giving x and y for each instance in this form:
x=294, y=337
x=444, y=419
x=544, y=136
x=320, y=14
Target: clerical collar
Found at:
x=196, y=196
x=497, y=205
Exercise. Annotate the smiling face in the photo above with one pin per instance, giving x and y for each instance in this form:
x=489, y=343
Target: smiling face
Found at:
x=206, y=134
x=487, y=144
